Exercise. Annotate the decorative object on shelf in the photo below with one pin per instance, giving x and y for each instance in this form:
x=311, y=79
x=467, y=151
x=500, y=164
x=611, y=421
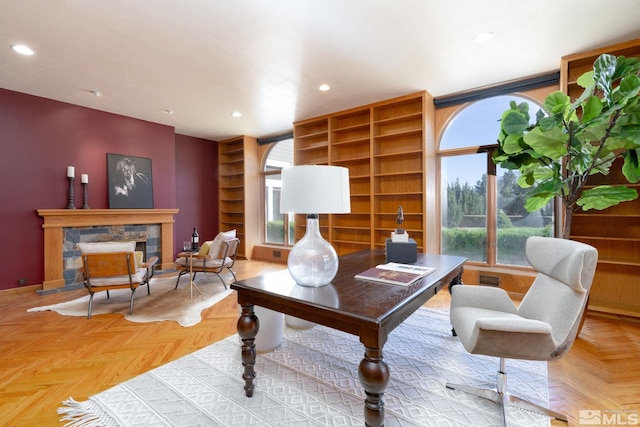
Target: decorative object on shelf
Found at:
x=314, y=190
x=70, y=175
x=399, y=234
x=84, y=179
x=571, y=141
x=400, y=248
x=130, y=182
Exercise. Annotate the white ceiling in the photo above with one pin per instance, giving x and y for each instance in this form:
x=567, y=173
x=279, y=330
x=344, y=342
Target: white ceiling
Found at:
x=204, y=59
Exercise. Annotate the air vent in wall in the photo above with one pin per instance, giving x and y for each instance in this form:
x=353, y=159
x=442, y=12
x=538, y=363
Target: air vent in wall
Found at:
x=486, y=280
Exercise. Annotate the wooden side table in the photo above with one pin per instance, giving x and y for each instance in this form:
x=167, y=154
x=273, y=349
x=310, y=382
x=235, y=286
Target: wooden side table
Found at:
x=190, y=256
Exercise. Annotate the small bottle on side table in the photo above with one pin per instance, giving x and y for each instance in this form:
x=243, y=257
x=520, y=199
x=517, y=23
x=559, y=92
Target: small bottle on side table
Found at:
x=195, y=239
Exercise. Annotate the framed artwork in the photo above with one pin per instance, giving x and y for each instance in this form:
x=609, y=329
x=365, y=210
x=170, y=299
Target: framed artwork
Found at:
x=130, y=182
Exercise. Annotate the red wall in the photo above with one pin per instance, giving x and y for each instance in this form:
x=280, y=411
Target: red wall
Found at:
x=196, y=189
x=39, y=138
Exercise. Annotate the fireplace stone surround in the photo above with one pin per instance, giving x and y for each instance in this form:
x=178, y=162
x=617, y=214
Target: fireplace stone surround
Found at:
x=146, y=236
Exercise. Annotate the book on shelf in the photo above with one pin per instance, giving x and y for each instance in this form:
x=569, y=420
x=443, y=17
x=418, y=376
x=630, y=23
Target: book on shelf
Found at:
x=395, y=273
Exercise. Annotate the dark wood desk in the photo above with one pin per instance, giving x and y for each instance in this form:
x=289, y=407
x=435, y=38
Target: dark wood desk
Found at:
x=366, y=309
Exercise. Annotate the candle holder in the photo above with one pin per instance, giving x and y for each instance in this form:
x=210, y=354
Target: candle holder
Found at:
x=85, y=199
x=70, y=205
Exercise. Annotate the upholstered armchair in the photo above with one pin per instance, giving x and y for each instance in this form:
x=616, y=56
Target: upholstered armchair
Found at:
x=213, y=257
x=542, y=327
x=114, y=265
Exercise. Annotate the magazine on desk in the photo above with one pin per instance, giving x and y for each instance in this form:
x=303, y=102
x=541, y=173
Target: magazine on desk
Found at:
x=395, y=273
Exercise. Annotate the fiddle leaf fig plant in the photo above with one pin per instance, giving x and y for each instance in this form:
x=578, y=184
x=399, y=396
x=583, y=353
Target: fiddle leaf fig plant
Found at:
x=570, y=141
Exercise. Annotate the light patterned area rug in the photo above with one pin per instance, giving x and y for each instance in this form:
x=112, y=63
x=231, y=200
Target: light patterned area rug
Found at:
x=164, y=303
x=312, y=380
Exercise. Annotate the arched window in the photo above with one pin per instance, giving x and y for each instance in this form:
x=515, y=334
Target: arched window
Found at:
x=483, y=216
x=278, y=227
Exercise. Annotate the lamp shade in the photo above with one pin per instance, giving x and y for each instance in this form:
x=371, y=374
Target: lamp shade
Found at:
x=315, y=189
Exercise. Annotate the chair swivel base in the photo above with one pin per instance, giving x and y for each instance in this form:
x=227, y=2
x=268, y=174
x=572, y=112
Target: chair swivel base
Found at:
x=504, y=399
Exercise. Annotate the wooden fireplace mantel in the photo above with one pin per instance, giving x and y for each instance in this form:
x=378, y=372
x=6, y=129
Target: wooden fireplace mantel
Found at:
x=57, y=219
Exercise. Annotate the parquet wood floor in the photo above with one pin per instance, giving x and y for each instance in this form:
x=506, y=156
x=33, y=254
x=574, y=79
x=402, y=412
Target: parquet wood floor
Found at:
x=47, y=358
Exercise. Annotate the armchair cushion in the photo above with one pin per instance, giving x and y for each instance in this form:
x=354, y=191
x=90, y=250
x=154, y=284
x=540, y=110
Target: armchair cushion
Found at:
x=205, y=248
x=139, y=258
x=207, y=262
x=137, y=277
x=500, y=334
x=103, y=247
x=482, y=296
x=217, y=245
x=561, y=262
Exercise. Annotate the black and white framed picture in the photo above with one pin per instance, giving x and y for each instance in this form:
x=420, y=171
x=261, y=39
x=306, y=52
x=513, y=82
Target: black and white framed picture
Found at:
x=130, y=183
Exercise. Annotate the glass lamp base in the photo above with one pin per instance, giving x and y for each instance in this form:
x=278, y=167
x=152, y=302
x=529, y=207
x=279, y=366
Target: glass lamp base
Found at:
x=312, y=260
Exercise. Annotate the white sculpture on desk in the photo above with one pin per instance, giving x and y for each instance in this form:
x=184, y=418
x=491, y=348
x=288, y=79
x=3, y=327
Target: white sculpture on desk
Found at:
x=399, y=234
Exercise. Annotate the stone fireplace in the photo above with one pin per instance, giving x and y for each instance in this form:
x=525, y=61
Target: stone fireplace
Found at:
x=146, y=236
x=64, y=228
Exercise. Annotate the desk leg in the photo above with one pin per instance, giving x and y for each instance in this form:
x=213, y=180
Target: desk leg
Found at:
x=455, y=282
x=248, y=326
x=374, y=376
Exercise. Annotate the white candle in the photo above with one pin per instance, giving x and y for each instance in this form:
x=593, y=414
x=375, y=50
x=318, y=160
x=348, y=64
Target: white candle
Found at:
x=71, y=171
x=85, y=178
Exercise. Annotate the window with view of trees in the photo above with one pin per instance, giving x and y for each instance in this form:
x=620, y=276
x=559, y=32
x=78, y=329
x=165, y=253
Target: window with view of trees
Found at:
x=483, y=215
x=278, y=227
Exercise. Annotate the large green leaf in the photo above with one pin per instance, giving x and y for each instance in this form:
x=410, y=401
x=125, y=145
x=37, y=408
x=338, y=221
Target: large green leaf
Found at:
x=605, y=196
x=626, y=66
x=631, y=165
x=629, y=88
x=556, y=102
x=549, y=122
x=620, y=142
x=543, y=173
x=604, y=69
x=631, y=114
x=514, y=122
x=586, y=80
x=591, y=109
x=551, y=143
x=595, y=132
x=526, y=180
x=513, y=144
x=538, y=201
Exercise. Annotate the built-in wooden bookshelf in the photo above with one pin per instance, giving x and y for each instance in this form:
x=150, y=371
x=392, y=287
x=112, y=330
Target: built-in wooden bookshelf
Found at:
x=382, y=145
x=613, y=231
x=238, y=180
x=311, y=147
x=398, y=168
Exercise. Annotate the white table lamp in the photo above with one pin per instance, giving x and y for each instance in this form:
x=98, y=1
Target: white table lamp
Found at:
x=314, y=190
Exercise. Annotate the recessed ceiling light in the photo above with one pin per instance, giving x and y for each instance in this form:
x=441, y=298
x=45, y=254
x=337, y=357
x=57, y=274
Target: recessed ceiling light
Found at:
x=22, y=49
x=236, y=114
x=482, y=37
x=324, y=87
x=169, y=112
x=95, y=93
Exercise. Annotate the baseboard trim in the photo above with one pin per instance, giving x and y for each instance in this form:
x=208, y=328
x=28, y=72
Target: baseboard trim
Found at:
x=21, y=289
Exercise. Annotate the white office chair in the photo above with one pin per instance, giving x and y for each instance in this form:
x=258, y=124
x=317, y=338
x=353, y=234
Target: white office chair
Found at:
x=543, y=327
